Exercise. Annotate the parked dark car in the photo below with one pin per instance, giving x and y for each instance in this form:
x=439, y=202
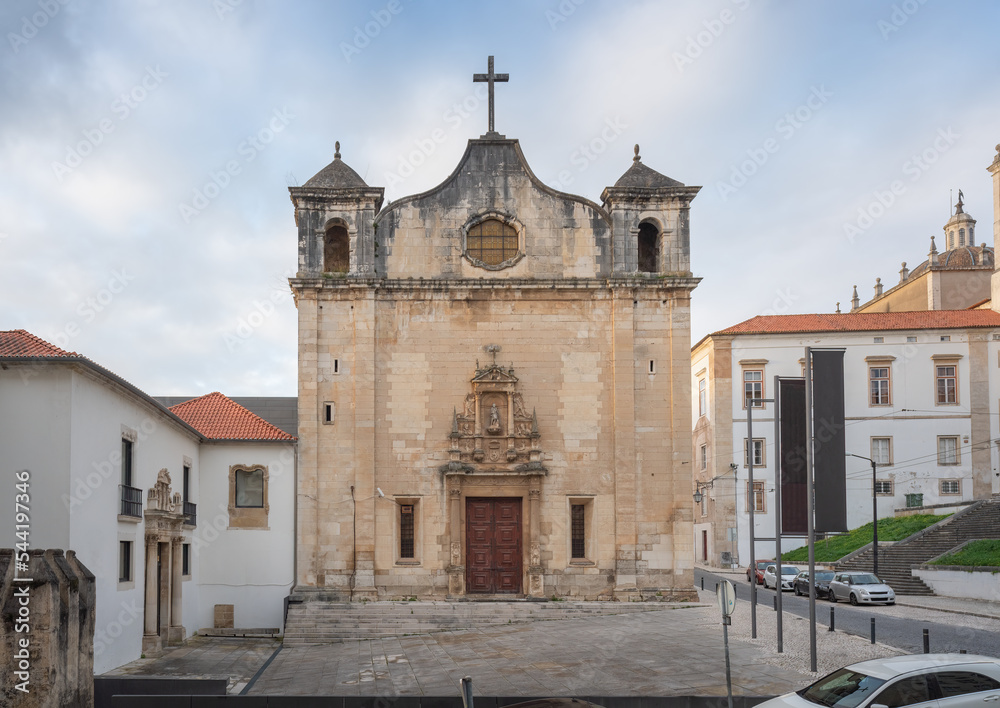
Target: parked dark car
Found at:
x=823, y=578
x=761, y=565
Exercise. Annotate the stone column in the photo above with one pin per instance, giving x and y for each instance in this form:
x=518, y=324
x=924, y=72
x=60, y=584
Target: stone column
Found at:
x=175, y=635
x=151, y=586
x=456, y=569
x=535, y=584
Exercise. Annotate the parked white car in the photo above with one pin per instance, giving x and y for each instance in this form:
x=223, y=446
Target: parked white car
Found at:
x=788, y=573
x=860, y=589
x=939, y=680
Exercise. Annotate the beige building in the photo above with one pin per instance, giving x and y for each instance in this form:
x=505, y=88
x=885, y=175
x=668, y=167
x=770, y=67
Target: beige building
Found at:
x=493, y=386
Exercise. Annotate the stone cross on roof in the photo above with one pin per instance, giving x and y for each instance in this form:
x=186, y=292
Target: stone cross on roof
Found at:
x=490, y=78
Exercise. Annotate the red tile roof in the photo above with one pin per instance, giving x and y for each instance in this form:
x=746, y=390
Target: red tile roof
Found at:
x=220, y=418
x=866, y=322
x=21, y=343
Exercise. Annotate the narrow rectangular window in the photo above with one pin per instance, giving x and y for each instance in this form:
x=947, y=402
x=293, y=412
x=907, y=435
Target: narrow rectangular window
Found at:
x=186, y=488
x=336, y=366
x=883, y=488
x=578, y=531
x=124, y=561
x=704, y=457
x=947, y=383
x=947, y=450
x=757, y=497
x=185, y=559
x=702, y=397
x=127, y=462
x=878, y=386
x=882, y=451
x=951, y=486
x=911, y=339
x=329, y=413
x=879, y=340
x=758, y=452
x=406, y=527
x=652, y=366
x=753, y=387
x=945, y=337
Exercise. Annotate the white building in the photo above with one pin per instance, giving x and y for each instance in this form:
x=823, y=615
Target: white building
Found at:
x=921, y=376
x=173, y=510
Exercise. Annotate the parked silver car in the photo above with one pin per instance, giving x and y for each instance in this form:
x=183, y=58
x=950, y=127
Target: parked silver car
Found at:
x=788, y=573
x=926, y=680
x=860, y=589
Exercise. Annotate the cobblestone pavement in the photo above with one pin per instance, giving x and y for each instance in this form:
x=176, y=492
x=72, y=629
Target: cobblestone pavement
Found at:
x=664, y=652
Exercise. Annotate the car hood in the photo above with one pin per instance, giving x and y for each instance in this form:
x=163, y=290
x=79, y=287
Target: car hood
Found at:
x=881, y=587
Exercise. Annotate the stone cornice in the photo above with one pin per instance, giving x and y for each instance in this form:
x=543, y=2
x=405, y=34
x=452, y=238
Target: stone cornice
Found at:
x=640, y=283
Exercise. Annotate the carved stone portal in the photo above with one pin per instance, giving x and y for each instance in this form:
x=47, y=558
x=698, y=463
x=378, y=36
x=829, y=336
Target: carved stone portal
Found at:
x=494, y=433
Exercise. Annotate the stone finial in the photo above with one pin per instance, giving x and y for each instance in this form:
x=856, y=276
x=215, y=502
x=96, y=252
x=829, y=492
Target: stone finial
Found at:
x=878, y=287
x=637, y=157
x=336, y=148
x=855, y=300
x=838, y=308
x=904, y=272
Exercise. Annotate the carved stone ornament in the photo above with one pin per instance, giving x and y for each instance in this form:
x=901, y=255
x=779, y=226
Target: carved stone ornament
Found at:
x=493, y=433
x=159, y=497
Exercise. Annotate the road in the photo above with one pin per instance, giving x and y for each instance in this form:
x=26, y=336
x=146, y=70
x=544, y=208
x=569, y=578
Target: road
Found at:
x=898, y=626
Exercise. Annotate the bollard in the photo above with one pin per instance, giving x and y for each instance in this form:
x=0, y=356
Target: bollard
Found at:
x=830, y=629
x=873, y=630
x=775, y=603
x=927, y=641
x=703, y=577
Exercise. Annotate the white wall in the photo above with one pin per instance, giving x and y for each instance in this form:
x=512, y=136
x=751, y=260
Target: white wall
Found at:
x=913, y=421
x=978, y=585
x=252, y=569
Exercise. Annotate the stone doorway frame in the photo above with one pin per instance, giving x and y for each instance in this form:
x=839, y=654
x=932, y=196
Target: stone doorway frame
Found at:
x=162, y=611
x=527, y=487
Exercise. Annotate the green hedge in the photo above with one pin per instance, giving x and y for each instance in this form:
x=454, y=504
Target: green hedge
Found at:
x=982, y=553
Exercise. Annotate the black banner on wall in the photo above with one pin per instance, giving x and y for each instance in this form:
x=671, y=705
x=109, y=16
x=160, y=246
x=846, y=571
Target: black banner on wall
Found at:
x=792, y=456
x=829, y=440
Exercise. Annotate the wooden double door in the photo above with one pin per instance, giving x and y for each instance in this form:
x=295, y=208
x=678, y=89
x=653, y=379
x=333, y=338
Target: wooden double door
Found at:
x=493, y=545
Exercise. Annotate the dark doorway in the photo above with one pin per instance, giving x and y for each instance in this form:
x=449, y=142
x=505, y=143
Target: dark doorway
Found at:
x=336, y=250
x=493, y=545
x=704, y=545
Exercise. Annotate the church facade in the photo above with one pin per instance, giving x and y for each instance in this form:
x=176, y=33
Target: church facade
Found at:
x=494, y=395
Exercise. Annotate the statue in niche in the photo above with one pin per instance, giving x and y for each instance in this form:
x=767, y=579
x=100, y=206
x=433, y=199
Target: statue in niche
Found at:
x=494, y=426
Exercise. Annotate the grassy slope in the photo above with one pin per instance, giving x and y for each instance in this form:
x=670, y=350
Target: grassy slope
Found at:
x=892, y=529
x=982, y=553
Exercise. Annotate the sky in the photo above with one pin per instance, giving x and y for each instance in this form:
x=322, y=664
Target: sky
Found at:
x=148, y=147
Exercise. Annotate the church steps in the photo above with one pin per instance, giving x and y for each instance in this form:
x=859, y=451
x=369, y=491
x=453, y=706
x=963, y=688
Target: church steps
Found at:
x=323, y=622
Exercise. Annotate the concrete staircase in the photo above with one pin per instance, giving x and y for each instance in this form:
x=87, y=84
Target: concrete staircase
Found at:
x=321, y=622
x=977, y=521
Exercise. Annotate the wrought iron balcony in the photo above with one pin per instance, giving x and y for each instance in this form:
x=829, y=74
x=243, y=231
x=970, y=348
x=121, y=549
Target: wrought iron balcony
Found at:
x=131, y=501
x=190, y=513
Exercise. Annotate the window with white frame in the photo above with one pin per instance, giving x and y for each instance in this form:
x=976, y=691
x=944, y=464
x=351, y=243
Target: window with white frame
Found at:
x=883, y=488
x=753, y=386
x=758, y=452
x=704, y=456
x=702, y=397
x=882, y=451
x=951, y=486
x=946, y=383
x=878, y=386
x=947, y=449
x=756, y=498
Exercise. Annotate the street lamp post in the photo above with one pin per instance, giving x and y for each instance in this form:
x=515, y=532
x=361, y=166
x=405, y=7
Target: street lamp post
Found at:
x=874, y=513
